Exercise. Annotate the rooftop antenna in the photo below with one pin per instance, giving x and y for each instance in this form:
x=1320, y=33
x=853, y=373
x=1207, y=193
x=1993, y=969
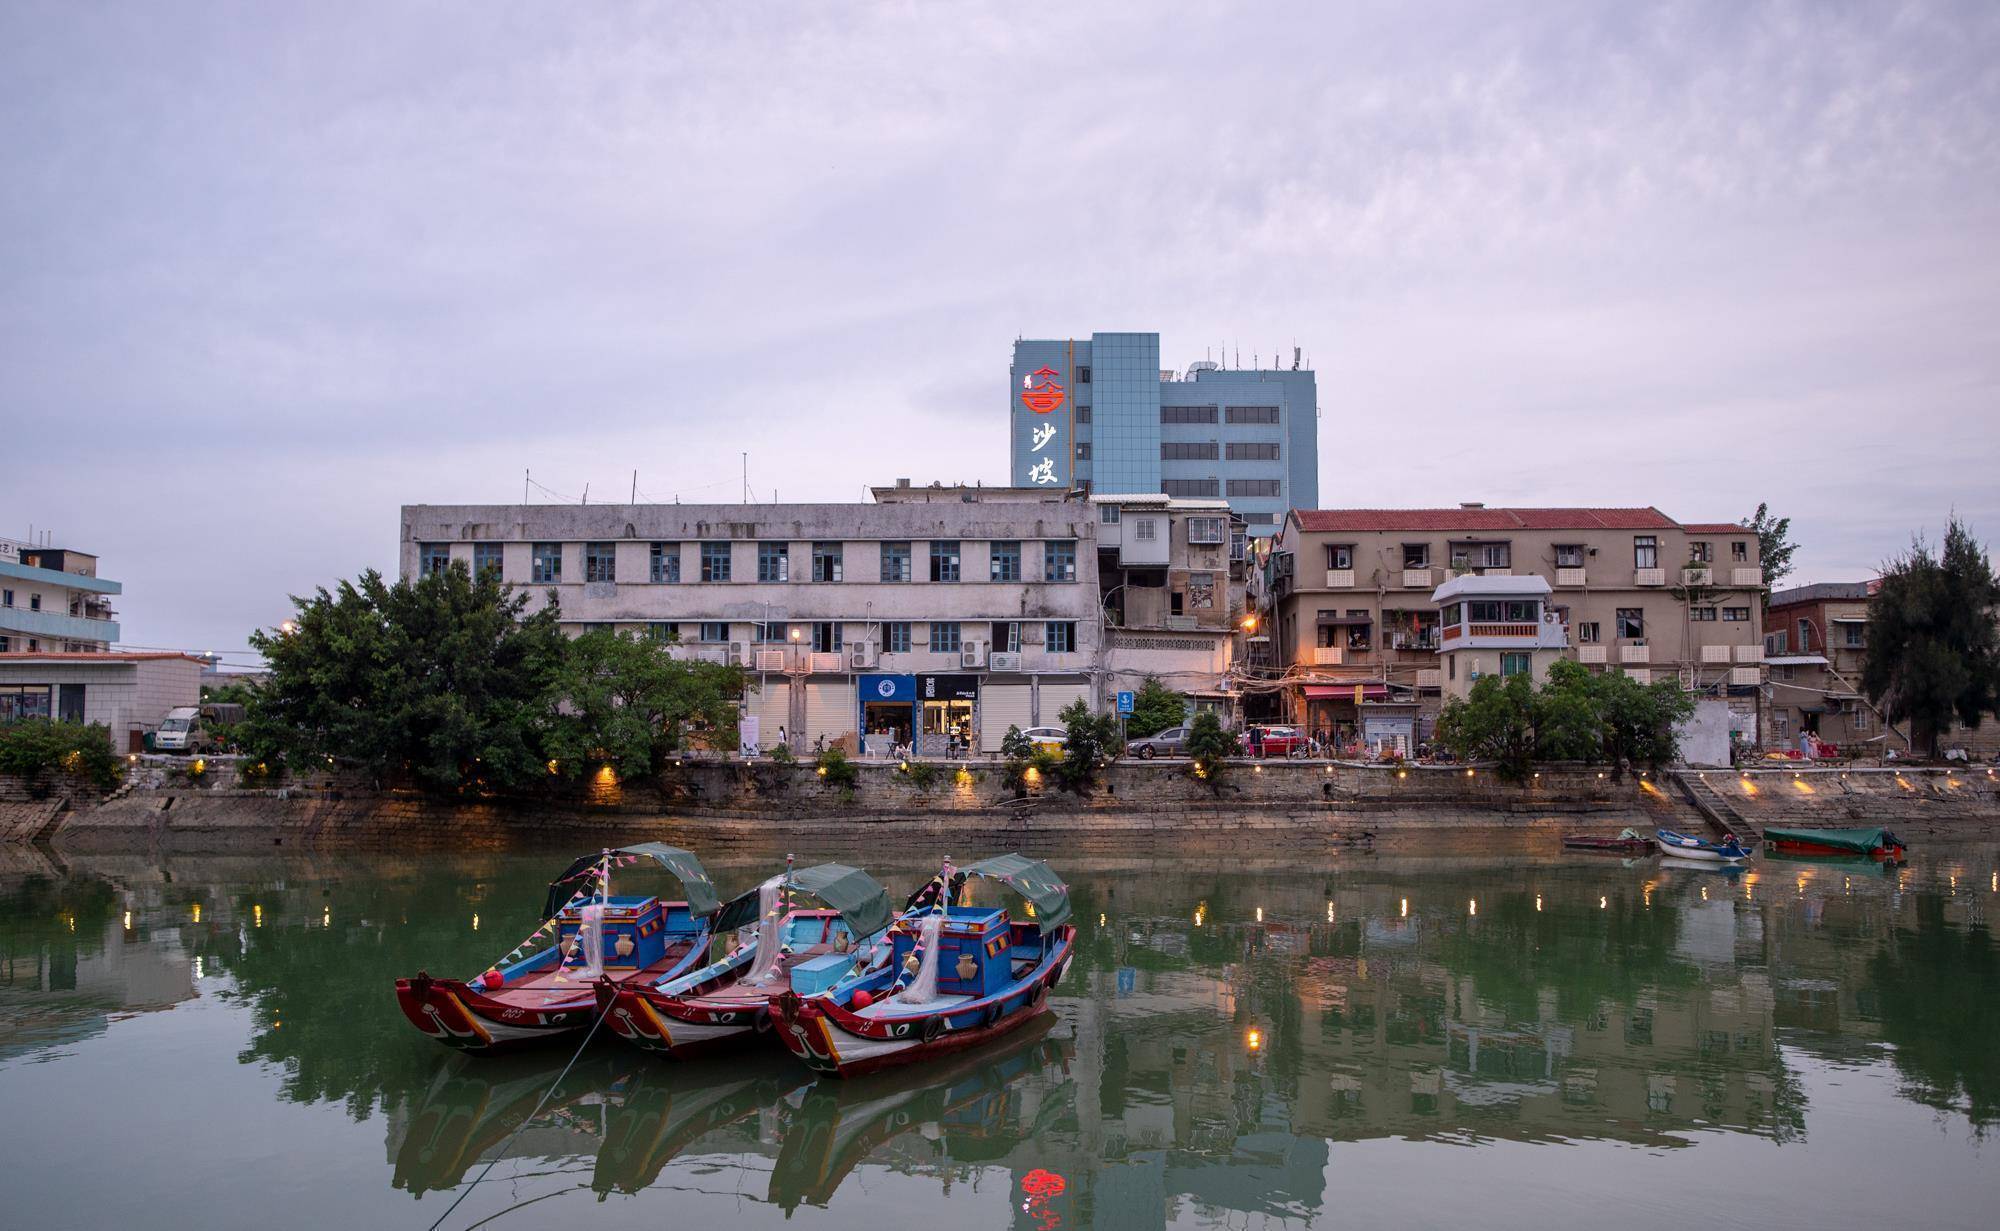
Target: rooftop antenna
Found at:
x=635, y=487
x=746, y=476
x=525, y=480
x=586, y=494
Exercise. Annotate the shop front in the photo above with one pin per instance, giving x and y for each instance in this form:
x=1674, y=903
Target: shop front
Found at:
x=888, y=712
x=1333, y=712
x=948, y=709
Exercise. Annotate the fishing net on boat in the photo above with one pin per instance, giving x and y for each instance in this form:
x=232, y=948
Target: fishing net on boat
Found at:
x=590, y=940
x=770, y=934
x=922, y=987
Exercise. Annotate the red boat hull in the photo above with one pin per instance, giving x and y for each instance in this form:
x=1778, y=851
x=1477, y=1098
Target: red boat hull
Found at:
x=1886, y=854
x=455, y=1014
x=679, y=1028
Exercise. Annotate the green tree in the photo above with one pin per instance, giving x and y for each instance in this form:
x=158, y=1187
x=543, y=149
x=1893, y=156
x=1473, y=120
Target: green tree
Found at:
x=1494, y=722
x=1640, y=722
x=1774, y=543
x=445, y=680
x=1154, y=708
x=1088, y=742
x=1567, y=724
x=1209, y=744
x=630, y=704
x=1933, y=651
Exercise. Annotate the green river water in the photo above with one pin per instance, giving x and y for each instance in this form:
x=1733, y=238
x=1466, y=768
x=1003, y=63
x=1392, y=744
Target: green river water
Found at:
x=1360, y=1039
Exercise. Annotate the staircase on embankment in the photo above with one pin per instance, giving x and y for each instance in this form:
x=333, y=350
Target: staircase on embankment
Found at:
x=1719, y=812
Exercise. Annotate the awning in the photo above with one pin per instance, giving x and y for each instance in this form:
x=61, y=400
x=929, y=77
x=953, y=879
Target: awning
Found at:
x=1033, y=880
x=701, y=897
x=852, y=892
x=1328, y=619
x=1345, y=692
x=1846, y=620
x=1795, y=660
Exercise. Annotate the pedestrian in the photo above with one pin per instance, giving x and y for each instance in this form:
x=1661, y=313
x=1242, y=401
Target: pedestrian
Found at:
x=1256, y=741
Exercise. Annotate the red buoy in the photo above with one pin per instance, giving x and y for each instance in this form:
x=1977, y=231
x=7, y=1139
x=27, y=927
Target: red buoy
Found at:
x=862, y=999
x=492, y=979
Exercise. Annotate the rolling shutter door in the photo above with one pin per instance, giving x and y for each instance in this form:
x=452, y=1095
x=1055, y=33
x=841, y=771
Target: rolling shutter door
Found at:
x=1055, y=696
x=829, y=712
x=1002, y=706
x=773, y=709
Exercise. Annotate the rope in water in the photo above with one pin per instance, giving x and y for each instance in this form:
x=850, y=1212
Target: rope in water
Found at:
x=508, y=1144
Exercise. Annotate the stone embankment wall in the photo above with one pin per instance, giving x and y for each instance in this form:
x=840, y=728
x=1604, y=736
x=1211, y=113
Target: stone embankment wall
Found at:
x=1137, y=803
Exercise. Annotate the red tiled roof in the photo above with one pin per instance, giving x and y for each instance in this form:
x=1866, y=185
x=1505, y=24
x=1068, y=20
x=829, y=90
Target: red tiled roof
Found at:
x=92, y=656
x=1361, y=520
x=1713, y=527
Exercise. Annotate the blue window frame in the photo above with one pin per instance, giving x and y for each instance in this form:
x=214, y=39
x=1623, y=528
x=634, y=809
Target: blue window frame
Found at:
x=944, y=560
x=715, y=562
x=1005, y=561
x=432, y=558
x=714, y=630
x=666, y=562
x=1059, y=636
x=896, y=637
x=600, y=561
x=774, y=562
x=546, y=568
x=944, y=637
x=663, y=632
x=1059, y=560
x=895, y=561
x=485, y=557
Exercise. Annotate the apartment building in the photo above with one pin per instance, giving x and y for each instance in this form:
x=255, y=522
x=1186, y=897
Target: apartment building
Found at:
x=1351, y=599
x=933, y=616
x=1171, y=580
x=53, y=601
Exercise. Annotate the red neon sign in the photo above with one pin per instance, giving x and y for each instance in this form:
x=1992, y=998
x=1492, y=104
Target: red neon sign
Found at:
x=1040, y=392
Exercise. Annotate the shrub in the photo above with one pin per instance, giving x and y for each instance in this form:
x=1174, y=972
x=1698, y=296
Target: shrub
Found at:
x=922, y=774
x=32, y=747
x=1209, y=743
x=1155, y=707
x=1089, y=741
x=836, y=770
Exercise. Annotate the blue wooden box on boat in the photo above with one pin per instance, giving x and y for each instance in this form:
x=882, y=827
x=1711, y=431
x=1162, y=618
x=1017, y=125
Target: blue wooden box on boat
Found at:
x=974, y=944
x=635, y=931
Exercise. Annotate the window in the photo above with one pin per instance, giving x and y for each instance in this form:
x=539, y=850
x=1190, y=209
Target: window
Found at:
x=6, y=644
x=944, y=560
x=944, y=637
x=715, y=562
x=1251, y=453
x=1632, y=623
x=1201, y=589
x=1003, y=562
x=826, y=637
x=1734, y=615
x=1645, y=551
x=1340, y=556
x=486, y=558
x=6, y=598
x=431, y=558
x=1083, y=376
x=600, y=562
x=1416, y=555
x=663, y=632
x=666, y=562
x=1083, y=450
x=1805, y=636
x=1060, y=636
x=1515, y=663
x=1774, y=643
x=1146, y=530
x=1204, y=530
x=1252, y=414
x=597, y=626
x=768, y=632
x=1109, y=514
x=1188, y=451
x=1858, y=719
x=1256, y=487
x=1239, y=544
x=1739, y=551
x=1486, y=611
x=1191, y=489
x=1853, y=636
x=1701, y=552
x=1059, y=560
x=1587, y=633
x=1482, y=555
x=774, y=562
x=1702, y=615
x=1569, y=555
x=828, y=561
x=1187, y=414
x=714, y=630
x=1083, y=414
x=895, y=561
x=546, y=564
x=1453, y=613
x=1006, y=636
x=896, y=637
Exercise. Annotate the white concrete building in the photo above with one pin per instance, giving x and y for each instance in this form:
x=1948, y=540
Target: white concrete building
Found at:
x=1496, y=624
x=128, y=692
x=51, y=599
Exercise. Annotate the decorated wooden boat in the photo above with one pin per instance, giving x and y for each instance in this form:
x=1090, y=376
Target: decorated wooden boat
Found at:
x=1628, y=842
x=781, y=945
x=546, y=987
x=1876, y=843
x=1700, y=850
x=957, y=976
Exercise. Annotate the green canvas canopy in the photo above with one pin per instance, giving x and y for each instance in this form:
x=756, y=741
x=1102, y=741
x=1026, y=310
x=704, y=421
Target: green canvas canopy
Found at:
x=701, y=896
x=1860, y=841
x=852, y=892
x=1033, y=880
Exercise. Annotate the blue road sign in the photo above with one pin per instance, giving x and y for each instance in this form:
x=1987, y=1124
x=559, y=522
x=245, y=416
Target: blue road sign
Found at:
x=1125, y=702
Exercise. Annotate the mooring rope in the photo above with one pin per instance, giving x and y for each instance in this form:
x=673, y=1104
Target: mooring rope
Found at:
x=508, y=1144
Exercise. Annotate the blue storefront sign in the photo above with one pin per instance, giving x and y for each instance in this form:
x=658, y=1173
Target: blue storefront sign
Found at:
x=883, y=688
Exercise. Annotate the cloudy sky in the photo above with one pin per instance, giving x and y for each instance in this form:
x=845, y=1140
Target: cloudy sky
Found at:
x=272, y=271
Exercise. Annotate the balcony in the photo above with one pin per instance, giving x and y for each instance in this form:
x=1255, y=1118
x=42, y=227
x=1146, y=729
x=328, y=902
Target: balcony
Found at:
x=1715, y=653
x=1591, y=654
x=1503, y=630
x=1640, y=675
x=1417, y=578
x=1649, y=577
x=1746, y=577
x=1746, y=675
x=1635, y=653
x=1340, y=579
x=1570, y=577
x=1430, y=677
x=1326, y=655
x=1749, y=653
x=53, y=626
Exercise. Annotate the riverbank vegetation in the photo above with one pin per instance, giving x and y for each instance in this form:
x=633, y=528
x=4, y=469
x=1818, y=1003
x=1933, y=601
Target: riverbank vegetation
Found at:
x=1573, y=716
x=1933, y=647
x=35, y=747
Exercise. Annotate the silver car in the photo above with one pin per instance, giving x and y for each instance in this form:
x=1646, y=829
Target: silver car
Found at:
x=1171, y=742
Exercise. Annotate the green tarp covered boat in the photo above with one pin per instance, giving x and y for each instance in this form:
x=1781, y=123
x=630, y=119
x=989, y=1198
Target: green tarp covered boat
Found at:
x=1877, y=843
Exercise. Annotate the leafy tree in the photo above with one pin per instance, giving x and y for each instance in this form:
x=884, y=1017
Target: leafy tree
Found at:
x=1641, y=722
x=1574, y=716
x=34, y=746
x=1016, y=746
x=1774, y=543
x=1933, y=651
x=1567, y=724
x=1495, y=721
x=1154, y=708
x=629, y=704
x=444, y=679
x=1209, y=744
x=1089, y=740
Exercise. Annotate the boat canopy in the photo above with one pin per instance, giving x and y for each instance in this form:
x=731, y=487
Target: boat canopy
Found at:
x=1860, y=841
x=1033, y=880
x=852, y=892
x=701, y=896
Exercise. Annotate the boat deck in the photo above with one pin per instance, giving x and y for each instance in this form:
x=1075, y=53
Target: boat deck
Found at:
x=740, y=993
x=556, y=985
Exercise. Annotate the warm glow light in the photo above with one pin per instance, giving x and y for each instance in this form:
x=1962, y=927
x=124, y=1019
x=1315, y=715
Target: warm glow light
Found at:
x=1032, y=777
x=1249, y=624
x=1402, y=773
x=1749, y=787
x=1260, y=914
x=1804, y=788
x=475, y=921
x=1329, y=912
x=1258, y=768
x=257, y=912
x=197, y=912
x=326, y=917
x=1603, y=903
x=1472, y=906
x=1255, y=1039
x=1600, y=773
x=200, y=765
x=1031, y=772
x=1100, y=919
x=1199, y=912
x=128, y=920
x=1538, y=901
x=552, y=766
x=1468, y=773
x=1406, y=908
x=1904, y=783
x=1704, y=893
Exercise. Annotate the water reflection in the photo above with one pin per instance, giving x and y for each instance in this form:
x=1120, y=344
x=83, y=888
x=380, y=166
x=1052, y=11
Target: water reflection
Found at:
x=1227, y=1026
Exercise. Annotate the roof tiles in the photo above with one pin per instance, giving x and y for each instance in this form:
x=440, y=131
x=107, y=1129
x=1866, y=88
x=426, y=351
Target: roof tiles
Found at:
x=1482, y=519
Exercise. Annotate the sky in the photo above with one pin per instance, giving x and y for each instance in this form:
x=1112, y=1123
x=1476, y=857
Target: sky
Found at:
x=272, y=271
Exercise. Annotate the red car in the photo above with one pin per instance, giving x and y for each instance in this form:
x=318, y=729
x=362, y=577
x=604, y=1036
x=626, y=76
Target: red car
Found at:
x=1280, y=742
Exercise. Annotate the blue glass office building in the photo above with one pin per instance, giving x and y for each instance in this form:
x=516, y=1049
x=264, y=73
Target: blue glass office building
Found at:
x=1102, y=414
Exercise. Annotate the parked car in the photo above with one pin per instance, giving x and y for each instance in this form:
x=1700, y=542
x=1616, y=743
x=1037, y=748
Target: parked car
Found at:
x=1051, y=738
x=1171, y=742
x=182, y=730
x=1284, y=742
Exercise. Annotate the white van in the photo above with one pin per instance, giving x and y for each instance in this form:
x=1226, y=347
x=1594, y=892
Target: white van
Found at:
x=181, y=730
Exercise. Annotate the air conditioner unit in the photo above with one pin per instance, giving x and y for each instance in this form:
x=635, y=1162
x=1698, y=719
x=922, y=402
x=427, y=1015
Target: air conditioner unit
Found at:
x=1697, y=576
x=861, y=655
x=770, y=660
x=972, y=654
x=1004, y=661
x=738, y=653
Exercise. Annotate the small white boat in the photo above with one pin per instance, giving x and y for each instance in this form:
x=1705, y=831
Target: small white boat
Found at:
x=1700, y=850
